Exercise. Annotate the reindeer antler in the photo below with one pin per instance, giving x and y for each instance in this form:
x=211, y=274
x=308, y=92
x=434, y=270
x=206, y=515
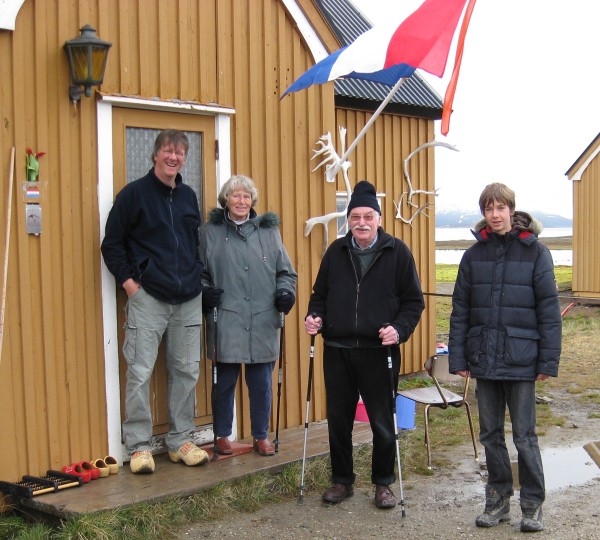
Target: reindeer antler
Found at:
x=332, y=166
x=411, y=191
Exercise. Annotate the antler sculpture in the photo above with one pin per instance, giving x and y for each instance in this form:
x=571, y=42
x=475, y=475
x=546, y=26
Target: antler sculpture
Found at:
x=333, y=165
x=411, y=191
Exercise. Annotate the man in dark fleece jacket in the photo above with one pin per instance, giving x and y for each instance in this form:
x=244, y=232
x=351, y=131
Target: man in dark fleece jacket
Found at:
x=366, y=298
x=505, y=331
x=151, y=247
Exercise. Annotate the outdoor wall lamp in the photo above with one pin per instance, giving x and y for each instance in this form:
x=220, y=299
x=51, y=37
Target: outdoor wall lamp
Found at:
x=87, y=61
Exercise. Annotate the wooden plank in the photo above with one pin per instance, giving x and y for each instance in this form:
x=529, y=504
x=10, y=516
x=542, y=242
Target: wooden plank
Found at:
x=177, y=480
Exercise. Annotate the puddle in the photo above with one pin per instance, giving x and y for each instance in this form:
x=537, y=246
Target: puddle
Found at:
x=565, y=467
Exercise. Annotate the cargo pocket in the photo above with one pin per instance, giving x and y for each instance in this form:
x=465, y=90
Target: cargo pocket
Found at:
x=521, y=345
x=193, y=342
x=474, y=344
x=129, y=343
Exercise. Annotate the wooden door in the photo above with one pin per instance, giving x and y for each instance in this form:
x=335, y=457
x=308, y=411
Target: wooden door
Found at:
x=134, y=133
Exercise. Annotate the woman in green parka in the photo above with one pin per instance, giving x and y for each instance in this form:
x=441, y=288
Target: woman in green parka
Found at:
x=251, y=281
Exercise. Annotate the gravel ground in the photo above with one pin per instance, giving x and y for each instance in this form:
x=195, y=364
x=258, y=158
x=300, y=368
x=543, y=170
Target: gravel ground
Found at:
x=442, y=506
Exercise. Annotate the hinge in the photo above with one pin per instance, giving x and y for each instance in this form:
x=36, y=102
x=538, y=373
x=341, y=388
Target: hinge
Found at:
x=217, y=149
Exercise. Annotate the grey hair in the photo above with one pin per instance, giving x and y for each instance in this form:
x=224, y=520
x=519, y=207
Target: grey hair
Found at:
x=237, y=182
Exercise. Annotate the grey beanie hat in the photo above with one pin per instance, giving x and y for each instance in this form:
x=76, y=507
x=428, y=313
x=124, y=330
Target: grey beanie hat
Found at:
x=364, y=195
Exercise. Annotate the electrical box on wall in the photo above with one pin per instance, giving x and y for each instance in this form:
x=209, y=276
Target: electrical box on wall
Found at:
x=33, y=196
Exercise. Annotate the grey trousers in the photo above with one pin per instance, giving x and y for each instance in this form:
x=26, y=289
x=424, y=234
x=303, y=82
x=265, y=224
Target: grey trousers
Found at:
x=148, y=319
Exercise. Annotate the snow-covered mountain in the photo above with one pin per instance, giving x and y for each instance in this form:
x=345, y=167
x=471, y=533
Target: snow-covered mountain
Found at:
x=453, y=217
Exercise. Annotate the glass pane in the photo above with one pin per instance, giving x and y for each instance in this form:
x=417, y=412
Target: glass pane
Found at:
x=140, y=143
x=341, y=199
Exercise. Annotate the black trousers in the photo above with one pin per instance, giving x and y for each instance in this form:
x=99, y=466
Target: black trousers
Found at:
x=350, y=374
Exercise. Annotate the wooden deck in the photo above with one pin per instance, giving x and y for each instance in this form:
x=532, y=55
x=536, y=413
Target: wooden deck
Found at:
x=177, y=480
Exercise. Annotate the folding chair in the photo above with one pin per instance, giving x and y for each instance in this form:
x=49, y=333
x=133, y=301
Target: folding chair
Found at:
x=437, y=396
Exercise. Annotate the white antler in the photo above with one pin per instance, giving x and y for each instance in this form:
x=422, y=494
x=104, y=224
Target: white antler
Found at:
x=411, y=191
x=332, y=166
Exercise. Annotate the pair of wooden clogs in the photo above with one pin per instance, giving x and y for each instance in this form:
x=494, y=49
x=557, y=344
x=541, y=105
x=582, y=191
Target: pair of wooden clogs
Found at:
x=93, y=469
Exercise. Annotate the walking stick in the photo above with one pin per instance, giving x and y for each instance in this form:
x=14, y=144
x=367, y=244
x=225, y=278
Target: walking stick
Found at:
x=5, y=272
x=394, y=394
x=213, y=392
x=279, y=378
x=308, y=394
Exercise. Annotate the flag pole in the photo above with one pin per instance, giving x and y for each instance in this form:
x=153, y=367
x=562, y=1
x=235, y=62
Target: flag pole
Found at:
x=370, y=122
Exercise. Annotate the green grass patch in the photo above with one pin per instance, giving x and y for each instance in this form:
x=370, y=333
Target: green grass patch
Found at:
x=446, y=273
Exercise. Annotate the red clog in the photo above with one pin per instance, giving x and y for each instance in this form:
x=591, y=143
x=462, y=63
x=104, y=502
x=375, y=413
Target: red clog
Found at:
x=76, y=470
x=92, y=469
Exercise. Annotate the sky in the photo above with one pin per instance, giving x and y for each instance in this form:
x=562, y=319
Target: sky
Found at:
x=527, y=103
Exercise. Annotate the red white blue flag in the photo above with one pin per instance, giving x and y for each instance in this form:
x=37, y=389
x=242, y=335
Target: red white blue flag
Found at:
x=389, y=52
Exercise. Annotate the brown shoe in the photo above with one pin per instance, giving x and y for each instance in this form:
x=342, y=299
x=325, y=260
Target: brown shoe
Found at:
x=264, y=447
x=338, y=492
x=384, y=497
x=223, y=446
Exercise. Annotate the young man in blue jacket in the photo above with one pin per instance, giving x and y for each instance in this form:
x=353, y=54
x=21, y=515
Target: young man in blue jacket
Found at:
x=505, y=331
x=151, y=247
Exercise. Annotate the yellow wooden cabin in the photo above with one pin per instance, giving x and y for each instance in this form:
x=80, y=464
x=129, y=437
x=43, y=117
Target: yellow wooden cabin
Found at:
x=216, y=69
x=585, y=175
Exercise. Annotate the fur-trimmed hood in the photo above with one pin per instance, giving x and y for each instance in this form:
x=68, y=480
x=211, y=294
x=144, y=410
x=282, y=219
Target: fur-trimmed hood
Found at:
x=268, y=220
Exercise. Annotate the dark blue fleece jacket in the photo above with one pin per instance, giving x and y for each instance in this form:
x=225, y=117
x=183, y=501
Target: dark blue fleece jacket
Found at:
x=152, y=237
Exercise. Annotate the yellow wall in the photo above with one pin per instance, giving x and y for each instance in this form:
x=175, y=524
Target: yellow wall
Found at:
x=52, y=389
x=586, y=223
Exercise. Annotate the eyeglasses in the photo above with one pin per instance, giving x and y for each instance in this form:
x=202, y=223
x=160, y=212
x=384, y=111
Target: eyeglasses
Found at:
x=170, y=151
x=366, y=217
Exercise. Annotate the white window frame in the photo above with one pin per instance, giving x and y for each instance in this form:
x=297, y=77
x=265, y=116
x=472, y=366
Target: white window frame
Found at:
x=104, y=112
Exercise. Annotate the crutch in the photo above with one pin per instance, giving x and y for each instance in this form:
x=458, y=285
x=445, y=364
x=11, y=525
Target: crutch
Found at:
x=279, y=378
x=213, y=392
x=394, y=394
x=308, y=393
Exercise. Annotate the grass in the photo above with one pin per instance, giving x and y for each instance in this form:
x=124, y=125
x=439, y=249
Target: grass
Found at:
x=578, y=377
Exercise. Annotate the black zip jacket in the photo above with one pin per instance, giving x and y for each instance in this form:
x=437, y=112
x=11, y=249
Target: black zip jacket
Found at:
x=152, y=236
x=355, y=306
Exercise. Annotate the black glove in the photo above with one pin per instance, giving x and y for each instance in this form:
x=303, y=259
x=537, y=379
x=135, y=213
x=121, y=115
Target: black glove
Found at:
x=284, y=300
x=211, y=298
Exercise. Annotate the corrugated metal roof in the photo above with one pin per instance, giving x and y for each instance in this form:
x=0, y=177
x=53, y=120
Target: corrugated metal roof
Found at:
x=415, y=96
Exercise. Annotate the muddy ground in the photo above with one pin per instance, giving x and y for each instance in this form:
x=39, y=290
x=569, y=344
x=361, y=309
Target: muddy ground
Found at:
x=444, y=506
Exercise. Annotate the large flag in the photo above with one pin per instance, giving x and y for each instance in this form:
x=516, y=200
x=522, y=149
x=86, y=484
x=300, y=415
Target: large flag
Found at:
x=392, y=51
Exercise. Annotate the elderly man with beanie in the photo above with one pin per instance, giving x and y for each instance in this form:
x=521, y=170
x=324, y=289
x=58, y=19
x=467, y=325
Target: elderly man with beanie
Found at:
x=366, y=297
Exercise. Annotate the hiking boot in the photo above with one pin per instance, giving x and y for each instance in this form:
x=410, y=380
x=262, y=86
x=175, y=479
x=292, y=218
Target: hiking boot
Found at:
x=190, y=454
x=497, y=509
x=384, y=497
x=142, y=462
x=532, y=517
x=338, y=492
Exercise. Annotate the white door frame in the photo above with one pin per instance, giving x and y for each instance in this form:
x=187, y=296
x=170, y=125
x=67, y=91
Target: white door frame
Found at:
x=104, y=107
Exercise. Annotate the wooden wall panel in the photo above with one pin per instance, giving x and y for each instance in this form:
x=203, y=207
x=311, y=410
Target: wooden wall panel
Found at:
x=234, y=53
x=586, y=221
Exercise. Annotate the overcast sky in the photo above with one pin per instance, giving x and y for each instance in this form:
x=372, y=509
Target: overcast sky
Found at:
x=527, y=102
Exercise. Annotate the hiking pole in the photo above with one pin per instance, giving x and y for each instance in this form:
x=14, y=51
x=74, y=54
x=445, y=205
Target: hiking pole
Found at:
x=279, y=378
x=308, y=393
x=213, y=392
x=394, y=390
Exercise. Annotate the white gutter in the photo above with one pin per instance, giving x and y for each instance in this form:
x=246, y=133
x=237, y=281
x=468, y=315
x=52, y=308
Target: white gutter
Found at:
x=315, y=45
